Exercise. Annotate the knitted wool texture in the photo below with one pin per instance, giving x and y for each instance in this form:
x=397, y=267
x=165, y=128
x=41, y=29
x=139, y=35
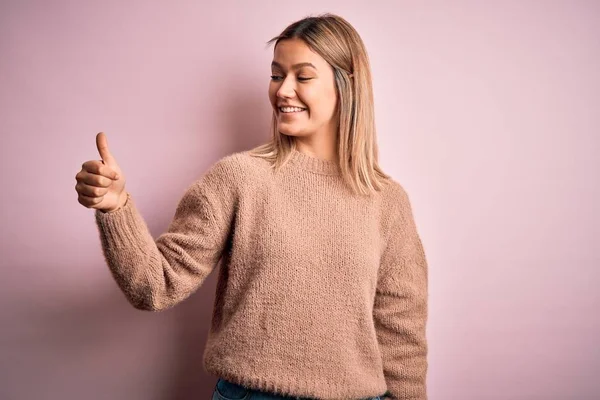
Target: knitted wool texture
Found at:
x=321, y=293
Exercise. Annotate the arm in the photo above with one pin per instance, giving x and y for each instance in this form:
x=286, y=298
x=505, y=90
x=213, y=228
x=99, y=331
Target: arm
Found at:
x=156, y=275
x=400, y=309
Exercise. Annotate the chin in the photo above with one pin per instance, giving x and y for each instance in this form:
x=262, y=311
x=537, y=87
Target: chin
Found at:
x=290, y=131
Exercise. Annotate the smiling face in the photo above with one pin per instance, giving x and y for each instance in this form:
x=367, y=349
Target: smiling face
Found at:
x=302, y=78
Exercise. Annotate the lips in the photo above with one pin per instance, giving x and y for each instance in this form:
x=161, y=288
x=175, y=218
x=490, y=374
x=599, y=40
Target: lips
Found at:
x=291, y=113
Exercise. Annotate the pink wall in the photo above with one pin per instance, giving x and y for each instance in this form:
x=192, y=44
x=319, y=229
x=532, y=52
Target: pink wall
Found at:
x=487, y=112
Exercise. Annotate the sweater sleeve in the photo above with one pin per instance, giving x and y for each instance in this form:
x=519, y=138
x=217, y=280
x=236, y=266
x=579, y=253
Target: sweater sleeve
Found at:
x=156, y=275
x=400, y=308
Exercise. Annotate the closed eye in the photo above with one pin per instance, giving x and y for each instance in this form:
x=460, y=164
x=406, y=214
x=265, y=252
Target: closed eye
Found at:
x=277, y=78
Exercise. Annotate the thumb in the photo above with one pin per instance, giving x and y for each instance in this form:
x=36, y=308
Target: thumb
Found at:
x=102, y=145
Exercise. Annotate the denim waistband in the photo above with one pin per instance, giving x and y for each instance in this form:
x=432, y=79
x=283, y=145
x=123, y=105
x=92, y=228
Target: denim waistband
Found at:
x=225, y=390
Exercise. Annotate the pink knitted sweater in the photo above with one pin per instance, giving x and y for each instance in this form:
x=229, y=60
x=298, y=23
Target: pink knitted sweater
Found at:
x=321, y=293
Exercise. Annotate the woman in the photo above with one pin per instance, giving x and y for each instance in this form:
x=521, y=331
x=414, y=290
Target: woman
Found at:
x=322, y=290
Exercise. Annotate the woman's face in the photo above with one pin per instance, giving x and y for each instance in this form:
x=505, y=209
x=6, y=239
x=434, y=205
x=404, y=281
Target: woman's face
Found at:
x=302, y=78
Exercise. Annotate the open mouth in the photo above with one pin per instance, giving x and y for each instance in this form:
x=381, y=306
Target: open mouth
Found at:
x=291, y=110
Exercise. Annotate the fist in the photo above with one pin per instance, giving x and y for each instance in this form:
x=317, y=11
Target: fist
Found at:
x=101, y=183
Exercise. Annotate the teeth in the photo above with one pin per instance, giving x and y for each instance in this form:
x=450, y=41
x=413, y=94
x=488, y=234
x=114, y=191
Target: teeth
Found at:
x=291, y=109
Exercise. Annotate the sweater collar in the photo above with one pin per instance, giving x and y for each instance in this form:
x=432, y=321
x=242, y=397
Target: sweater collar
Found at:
x=313, y=164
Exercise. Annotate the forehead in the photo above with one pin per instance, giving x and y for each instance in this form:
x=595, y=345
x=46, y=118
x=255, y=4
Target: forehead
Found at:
x=292, y=51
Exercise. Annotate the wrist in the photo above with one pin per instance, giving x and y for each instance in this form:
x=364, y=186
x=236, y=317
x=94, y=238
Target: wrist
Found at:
x=123, y=199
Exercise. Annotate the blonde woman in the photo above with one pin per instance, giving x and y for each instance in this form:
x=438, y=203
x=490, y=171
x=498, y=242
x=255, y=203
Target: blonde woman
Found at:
x=322, y=290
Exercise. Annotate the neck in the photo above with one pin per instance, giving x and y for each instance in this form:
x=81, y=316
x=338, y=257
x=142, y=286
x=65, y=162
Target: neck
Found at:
x=314, y=164
x=322, y=149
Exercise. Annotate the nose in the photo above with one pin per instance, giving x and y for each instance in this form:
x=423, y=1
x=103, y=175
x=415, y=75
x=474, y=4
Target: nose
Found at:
x=287, y=89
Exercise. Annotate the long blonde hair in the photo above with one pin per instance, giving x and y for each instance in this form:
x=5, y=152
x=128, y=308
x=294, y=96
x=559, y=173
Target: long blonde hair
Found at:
x=334, y=39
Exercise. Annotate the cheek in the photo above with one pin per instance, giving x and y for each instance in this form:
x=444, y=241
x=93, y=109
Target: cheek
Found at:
x=332, y=103
x=271, y=92
x=321, y=103
x=311, y=98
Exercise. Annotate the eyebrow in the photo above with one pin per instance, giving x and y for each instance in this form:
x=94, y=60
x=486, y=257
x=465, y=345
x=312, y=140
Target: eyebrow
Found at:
x=295, y=66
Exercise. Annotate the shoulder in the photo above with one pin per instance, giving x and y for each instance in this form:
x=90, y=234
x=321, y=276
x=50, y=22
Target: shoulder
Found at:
x=235, y=170
x=397, y=209
x=394, y=195
x=241, y=163
x=226, y=166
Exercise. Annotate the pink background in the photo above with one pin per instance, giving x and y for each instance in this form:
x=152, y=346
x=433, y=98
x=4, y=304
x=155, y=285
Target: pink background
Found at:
x=487, y=113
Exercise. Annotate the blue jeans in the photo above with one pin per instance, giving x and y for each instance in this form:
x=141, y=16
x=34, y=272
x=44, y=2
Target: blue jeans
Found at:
x=225, y=390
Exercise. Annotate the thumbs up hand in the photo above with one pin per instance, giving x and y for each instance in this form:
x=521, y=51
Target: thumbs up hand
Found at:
x=101, y=183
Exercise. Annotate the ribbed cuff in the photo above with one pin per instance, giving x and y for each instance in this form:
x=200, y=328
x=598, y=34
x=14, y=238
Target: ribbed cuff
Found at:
x=123, y=227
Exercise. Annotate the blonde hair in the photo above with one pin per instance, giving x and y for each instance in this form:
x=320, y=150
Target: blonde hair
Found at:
x=334, y=39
